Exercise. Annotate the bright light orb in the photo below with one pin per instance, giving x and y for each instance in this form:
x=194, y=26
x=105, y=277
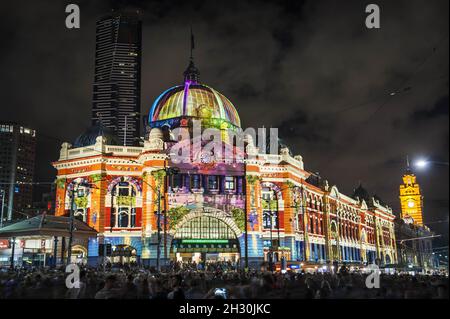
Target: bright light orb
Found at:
x=421, y=163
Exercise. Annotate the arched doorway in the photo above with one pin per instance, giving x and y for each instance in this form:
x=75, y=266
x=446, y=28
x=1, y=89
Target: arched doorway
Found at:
x=205, y=237
x=387, y=259
x=335, y=240
x=363, y=253
x=79, y=254
x=123, y=254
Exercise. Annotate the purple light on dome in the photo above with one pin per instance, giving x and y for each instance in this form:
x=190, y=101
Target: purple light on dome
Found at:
x=187, y=84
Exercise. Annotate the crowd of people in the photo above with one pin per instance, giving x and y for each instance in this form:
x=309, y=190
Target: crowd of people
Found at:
x=215, y=281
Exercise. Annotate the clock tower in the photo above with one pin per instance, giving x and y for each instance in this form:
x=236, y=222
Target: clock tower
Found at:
x=411, y=199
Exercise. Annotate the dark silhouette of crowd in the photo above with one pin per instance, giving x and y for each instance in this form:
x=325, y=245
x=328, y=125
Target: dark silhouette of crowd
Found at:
x=214, y=281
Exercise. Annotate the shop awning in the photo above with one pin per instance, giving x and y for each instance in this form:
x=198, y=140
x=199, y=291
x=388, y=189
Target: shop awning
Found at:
x=47, y=225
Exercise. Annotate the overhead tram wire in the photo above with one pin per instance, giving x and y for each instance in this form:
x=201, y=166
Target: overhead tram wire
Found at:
x=436, y=222
x=16, y=211
x=368, y=102
x=402, y=86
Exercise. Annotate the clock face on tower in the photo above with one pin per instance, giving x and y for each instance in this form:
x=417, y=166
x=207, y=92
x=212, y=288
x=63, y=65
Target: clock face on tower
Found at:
x=411, y=204
x=206, y=158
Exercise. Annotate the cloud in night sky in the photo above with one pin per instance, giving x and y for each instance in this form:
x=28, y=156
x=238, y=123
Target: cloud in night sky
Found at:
x=310, y=68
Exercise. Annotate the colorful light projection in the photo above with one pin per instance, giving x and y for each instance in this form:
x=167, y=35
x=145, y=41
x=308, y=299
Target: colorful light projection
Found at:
x=195, y=101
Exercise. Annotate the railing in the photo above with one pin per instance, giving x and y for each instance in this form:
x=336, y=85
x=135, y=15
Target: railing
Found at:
x=113, y=149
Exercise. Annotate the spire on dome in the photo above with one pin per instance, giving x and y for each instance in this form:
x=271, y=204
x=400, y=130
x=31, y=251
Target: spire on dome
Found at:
x=191, y=74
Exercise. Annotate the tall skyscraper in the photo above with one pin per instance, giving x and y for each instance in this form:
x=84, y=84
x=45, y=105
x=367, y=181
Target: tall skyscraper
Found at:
x=411, y=199
x=17, y=159
x=117, y=81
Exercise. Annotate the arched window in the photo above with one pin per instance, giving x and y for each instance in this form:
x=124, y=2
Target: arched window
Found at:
x=299, y=225
x=310, y=202
x=270, y=208
x=317, y=225
x=124, y=194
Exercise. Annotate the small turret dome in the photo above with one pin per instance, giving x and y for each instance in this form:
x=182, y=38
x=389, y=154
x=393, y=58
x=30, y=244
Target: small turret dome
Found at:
x=89, y=137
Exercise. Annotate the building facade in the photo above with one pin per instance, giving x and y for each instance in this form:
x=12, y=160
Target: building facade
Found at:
x=117, y=79
x=415, y=246
x=264, y=207
x=17, y=164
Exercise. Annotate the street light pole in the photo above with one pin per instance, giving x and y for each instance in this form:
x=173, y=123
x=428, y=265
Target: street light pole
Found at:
x=13, y=252
x=166, y=190
x=71, y=221
x=69, y=251
x=158, y=247
x=246, y=217
x=2, y=192
x=167, y=171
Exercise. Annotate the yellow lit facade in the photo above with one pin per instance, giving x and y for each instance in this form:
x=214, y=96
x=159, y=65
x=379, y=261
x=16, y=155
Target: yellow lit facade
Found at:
x=411, y=199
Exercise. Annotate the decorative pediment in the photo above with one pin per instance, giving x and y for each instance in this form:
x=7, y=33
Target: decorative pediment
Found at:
x=364, y=204
x=334, y=192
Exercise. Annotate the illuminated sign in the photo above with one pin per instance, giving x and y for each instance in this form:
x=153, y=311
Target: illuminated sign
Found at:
x=4, y=243
x=204, y=241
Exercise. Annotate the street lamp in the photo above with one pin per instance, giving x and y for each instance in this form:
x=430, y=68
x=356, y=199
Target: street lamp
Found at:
x=74, y=190
x=422, y=163
x=167, y=172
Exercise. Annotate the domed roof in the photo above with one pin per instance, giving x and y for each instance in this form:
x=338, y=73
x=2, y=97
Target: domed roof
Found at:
x=91, y=134
x=196, y=101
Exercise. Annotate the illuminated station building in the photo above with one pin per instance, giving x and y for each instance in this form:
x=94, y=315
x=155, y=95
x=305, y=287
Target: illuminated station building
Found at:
x=206, y=207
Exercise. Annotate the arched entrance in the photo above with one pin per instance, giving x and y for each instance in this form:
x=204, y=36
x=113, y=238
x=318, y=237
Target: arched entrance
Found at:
x=123, y=254
x=363, y=240
x=387, y=259
x=206, y=237
x=79, y=254
x=335, y=240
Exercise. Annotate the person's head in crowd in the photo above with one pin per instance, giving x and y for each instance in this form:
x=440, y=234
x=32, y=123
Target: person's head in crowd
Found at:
x=110, y=281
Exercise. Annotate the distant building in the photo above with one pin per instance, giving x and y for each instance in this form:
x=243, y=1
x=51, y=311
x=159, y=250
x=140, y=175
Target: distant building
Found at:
x=414, y=239
x=415, y=245
x=117, y=79
x=17, y=159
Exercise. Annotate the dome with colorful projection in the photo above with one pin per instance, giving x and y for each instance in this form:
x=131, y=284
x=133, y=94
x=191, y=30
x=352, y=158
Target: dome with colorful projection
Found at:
x=193, y=101
x=181, y=104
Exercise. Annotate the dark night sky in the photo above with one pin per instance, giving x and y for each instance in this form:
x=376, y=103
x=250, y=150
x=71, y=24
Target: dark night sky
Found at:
x=310, y=68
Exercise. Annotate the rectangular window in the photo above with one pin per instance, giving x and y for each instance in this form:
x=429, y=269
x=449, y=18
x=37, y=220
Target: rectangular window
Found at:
x=213, y=182
x=195, y=180
x=230, y=183
x=123, y=191
x=176, y=180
